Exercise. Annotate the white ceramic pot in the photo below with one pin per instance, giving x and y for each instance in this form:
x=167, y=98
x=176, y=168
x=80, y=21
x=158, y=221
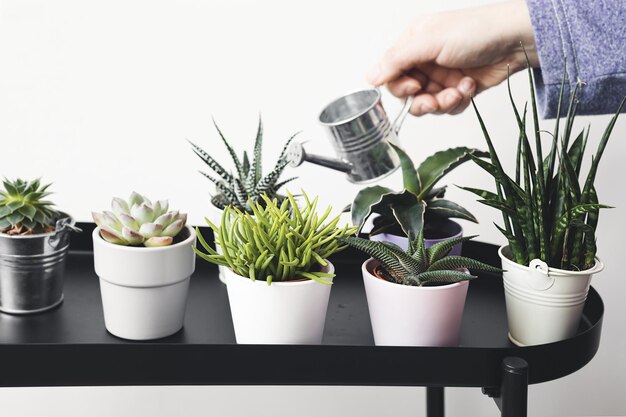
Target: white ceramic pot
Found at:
x=455, y=230
x=543, y=304
x=290, y=312
x=215, y=215
x=404, y=315
x=144, y=290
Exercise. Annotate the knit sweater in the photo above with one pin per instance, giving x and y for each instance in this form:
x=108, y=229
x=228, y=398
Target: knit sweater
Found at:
x=589, y=38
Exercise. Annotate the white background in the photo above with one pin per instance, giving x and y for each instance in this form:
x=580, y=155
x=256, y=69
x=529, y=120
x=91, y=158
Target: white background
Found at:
x=99, y=98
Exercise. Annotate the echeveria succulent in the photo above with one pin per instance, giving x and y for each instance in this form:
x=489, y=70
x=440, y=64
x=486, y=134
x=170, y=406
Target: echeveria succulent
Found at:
x=139, y=222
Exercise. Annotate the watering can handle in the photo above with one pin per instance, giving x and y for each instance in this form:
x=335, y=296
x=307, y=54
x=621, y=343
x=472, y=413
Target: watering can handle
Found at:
x=397, y=124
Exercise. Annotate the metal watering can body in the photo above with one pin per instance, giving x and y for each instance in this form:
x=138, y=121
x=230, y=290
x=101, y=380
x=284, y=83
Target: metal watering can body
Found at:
x=360, y=133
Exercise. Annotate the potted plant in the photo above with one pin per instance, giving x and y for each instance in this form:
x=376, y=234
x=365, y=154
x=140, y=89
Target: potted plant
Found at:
x=278, y=275
x=247, y=183
x=416, y=296
x=143, y=256
x=550, y=218
x=399, y=211
x=34, y=240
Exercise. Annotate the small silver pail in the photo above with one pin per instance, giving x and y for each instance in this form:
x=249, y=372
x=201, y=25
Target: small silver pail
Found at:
x=32, y=269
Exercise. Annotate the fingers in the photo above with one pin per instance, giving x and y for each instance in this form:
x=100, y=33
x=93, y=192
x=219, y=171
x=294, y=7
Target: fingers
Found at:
x=404, y=86
x=437, y=100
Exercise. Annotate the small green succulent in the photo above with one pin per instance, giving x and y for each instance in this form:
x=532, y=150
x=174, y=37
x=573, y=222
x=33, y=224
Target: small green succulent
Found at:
x=139, y=222
x=248, y=182
x=420, y=266
x=280, y=241
x=23, y=210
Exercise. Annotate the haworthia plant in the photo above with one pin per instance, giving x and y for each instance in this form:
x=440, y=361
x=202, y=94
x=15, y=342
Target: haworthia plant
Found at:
x=279, y=241
x=248, y=182
x=400, y=207
x=548, y=213
x=420, y=266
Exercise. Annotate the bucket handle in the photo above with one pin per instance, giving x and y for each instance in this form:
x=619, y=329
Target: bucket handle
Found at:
x=63, y=225
x=539, y=277
x=397, y=124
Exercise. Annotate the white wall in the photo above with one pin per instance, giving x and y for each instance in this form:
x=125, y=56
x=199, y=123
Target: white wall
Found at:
x=99, y=97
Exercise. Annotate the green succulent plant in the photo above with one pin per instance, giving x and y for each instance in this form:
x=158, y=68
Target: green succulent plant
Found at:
x=402, y=207
x=278, y=242
x=248, y=182
x=23, y=210
x=139, y=222
x=420, y=266
x=547, y=213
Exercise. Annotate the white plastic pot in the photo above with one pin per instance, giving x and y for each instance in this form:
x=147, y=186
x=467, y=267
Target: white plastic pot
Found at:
x=404, y=315
x=144, y=290
x=543, y=304
x=455, y=230
x=289, y=312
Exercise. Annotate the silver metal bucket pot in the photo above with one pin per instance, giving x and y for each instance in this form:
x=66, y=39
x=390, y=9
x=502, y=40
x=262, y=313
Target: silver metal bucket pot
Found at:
x=32, y=268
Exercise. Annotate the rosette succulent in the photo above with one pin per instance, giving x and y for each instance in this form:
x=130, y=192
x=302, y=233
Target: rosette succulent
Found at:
x=23, y=210
x=140, y=222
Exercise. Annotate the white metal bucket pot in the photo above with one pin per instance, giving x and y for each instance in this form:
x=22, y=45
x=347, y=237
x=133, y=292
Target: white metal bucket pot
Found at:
x=289, y=312
x=144, y=290
x=543, y=304
x=404, y=315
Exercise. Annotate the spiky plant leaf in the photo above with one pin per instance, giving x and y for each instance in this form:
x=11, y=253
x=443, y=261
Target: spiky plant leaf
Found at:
x=429, y=278
x=23, y=210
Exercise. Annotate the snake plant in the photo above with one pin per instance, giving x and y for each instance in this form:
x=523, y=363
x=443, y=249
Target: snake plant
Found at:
x=24, y=210
x=420, y=266
x=548, y=213
x=402, y=207
x=279, y=241
x=248, y=182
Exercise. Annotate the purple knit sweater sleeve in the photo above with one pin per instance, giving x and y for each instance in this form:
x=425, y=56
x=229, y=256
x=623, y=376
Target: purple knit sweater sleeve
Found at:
x=590, y=35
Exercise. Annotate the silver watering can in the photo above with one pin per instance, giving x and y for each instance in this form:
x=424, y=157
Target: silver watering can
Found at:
x=360, y=133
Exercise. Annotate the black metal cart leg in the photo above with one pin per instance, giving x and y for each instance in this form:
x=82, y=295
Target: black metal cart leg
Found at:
x=434, y=402
x=512, y=395
x=514, y=391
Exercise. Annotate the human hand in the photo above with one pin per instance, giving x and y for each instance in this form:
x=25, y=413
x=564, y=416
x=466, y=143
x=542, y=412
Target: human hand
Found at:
x=446, y=58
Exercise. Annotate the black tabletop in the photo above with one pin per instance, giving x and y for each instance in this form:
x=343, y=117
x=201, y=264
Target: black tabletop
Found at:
x=70, y=345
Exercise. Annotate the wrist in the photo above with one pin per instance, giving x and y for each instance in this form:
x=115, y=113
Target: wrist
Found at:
x=518, y=33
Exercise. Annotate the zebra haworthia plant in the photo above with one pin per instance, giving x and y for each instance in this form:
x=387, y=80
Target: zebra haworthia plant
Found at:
x=402, y=208
x=248, y=182
x=140, y=222
x=279, y=241
x=420, y=266
x=548, y=214
x=24, y=210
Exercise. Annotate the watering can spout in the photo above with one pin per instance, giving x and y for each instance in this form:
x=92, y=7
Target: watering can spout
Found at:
x=296, y=155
